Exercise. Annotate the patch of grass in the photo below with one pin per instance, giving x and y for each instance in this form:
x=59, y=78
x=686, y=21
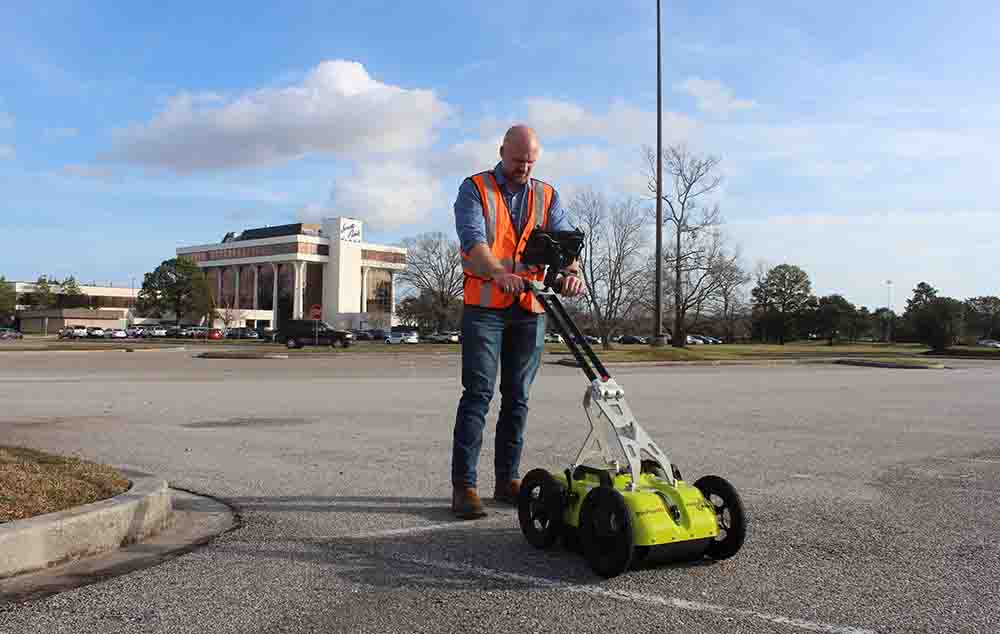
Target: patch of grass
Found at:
x=33, y=483
x=978, y=352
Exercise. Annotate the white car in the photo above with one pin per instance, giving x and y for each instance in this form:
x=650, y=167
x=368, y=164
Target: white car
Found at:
x=554, y=337
x=156, y=331
x=78, y=332
x=116, y=333
x=989, y=343
x=402, y=337
x=95, y=332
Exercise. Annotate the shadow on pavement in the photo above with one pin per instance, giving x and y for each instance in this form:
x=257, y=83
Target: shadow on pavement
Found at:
x=434, y=509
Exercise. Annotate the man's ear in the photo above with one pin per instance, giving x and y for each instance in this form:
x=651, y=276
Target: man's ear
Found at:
x=501, y=151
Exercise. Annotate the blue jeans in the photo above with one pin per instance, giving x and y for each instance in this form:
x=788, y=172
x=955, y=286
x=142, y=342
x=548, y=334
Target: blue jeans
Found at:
x=512, y=338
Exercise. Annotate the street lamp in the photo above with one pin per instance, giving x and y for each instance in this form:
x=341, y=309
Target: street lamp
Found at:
x=888, y=305
x=658, y=339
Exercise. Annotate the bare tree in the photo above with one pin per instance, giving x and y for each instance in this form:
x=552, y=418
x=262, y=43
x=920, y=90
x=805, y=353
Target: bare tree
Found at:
x=230, y=314
x=694, y=243
x=434, y=269
x=730, y=300
x=612, y=260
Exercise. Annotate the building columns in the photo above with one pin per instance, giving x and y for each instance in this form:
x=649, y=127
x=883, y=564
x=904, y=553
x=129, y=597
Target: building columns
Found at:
x=236, y=289
x=364, y=290
x=392, y=297
x=220, y=271
x=300, y=282
x=256, y=286
x=274, y=296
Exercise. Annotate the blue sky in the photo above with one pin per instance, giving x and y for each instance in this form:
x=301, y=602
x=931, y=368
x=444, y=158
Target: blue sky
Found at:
x=856, y=140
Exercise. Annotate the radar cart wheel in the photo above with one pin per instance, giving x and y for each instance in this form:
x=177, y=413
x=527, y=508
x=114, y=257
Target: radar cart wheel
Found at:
x=540, y=508
x=606, y=532
x=729, y=513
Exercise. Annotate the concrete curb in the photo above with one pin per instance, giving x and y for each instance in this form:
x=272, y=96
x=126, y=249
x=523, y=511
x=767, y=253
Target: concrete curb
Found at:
x=240, y=355
x=897, y=365
x=571, y=362
x=47, y=540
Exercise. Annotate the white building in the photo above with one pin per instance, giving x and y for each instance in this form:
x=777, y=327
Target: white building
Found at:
x=264, y=275
x=103, y=306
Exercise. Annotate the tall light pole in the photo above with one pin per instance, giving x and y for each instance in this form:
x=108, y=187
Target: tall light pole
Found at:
x=658, y=339
x=889, y=314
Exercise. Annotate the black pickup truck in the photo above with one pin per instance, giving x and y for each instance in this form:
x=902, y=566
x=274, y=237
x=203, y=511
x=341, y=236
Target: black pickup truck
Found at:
x=295, y=333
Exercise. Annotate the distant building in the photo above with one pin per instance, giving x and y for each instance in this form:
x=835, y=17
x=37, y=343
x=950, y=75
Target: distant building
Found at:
x=264, y=275
x=104, y=306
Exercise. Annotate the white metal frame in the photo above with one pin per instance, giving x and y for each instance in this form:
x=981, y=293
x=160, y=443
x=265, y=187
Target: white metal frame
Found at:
x=604, y=402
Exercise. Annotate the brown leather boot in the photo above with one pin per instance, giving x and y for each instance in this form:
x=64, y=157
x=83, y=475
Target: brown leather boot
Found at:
x=507, y=492
x=465, y=502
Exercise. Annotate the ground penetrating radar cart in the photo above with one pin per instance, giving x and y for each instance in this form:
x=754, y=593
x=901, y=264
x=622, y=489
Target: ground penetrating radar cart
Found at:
x=617, y=513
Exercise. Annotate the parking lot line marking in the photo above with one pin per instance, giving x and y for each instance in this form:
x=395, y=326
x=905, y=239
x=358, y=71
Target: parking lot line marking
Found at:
x=412, y=530
x=634, y=597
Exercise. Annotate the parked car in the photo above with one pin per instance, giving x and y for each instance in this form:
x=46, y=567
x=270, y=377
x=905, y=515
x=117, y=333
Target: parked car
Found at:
x=115, y=333
x=75, y=332
x=631, y=340
x=215, y=334
x=402, y=337
x=442, y=337
x=10, y=333
x=295, y=333
x=242, y=333
x=554, y=337
x=362, y=335
x=156, y=331
x=989, y=343
x=694, y=340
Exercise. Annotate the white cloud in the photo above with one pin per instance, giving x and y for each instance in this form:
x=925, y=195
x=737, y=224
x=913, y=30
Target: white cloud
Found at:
x=338, y=109
x=713, y=97
x=467, y=156
x=571, y=162
x=622, y=124
x=7, y=153
x=6, y=120
x=384, y=195
x=61, y=133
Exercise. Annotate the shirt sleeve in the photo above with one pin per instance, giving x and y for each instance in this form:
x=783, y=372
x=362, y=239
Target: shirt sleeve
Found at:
x=469, y=221
x=558, y=216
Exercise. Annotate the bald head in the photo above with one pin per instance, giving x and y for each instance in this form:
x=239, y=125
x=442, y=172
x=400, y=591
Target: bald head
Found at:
x=518, y=154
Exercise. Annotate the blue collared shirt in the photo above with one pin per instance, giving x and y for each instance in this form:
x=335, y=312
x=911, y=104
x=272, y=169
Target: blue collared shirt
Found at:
x=471, y=225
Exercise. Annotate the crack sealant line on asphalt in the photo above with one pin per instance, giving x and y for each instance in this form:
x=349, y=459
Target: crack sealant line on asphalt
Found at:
x=412, y=530
x=634, y=597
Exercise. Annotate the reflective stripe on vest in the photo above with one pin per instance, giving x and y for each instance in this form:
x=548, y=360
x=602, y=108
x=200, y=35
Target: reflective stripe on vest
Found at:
x=503, y=241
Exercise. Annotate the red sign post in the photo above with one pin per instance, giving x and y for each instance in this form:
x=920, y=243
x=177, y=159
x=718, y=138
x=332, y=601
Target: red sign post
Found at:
x=315, y=312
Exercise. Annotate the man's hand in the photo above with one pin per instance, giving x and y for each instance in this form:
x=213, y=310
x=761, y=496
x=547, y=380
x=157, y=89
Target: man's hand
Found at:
x=509, y=283
x=572, y=286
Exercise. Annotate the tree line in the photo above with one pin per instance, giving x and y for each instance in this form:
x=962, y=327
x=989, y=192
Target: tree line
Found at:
x=707, y=287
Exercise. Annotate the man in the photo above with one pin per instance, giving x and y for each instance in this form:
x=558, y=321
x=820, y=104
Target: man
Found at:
x=502, y=324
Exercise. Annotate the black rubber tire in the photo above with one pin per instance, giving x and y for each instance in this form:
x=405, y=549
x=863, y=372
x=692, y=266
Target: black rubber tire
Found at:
x=344, y=343
x=651, y=466
x=290, y=343
x=606, y=532
x=541, y=505
x=730, y=514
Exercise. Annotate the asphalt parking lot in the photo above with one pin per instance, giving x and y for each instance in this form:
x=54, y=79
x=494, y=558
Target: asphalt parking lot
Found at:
x=873, y=495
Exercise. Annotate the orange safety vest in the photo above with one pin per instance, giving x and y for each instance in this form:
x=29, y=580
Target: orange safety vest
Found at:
x=501, y=237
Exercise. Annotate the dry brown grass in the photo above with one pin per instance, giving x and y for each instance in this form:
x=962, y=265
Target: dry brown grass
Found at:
x=33, y=483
